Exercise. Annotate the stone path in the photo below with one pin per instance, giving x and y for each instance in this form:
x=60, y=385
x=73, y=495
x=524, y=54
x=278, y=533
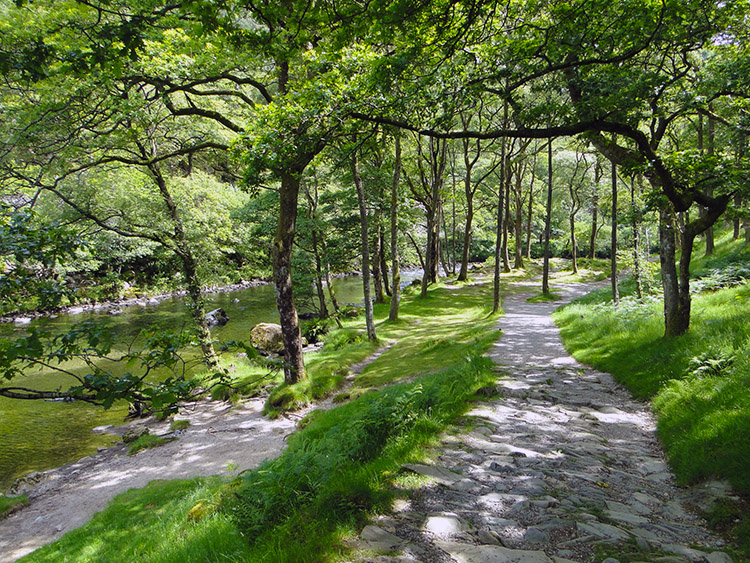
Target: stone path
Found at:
x=561, y=465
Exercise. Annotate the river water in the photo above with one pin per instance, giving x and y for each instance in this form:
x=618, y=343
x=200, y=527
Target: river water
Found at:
x=38, y=435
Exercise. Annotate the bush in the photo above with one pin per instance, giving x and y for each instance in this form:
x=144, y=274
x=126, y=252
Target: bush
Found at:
x=342, y=337
x=315, y=329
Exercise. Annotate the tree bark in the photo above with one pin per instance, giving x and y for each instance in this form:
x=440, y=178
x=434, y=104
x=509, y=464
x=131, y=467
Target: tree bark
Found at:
x=500, y=215
x=518, y=193
x=369, y=320
x=294, y=365
x=636, y=225
x=613, y=243
x=189, y=270
x=547, y=221
x=506, y=219
x=395, y=259
x=530, y=213
x=594, y=210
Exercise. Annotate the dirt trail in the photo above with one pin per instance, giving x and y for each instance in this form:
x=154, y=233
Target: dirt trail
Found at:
x=69, y=496
x=561, y=465
x=219, y=435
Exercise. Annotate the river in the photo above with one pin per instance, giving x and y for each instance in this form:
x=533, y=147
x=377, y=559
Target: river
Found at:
x=38, y=435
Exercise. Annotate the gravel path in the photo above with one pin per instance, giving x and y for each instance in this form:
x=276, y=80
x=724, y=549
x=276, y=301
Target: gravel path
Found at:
x=561, y=465
x=67, y=497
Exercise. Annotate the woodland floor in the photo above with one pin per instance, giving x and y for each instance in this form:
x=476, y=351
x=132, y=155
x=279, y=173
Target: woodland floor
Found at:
x=559, y=465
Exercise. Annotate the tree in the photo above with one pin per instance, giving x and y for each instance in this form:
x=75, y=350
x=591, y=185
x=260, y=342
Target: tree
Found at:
x=590, y=67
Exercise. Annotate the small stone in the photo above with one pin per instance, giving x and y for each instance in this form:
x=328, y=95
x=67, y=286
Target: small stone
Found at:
x=611, y=560
x=488, y=537
x=445, y=524
x=440, y=474
x=380, y=540
x=626, y=517
x=536, y=535
x=132, y=434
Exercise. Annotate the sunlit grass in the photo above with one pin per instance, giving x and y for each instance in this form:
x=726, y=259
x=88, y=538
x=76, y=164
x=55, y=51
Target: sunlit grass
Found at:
x=150, y=525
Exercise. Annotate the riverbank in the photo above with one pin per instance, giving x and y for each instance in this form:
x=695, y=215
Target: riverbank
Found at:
x=115, y=306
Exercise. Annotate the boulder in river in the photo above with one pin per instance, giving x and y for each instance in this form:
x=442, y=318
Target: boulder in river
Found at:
x=217, y=317
x=266, y=337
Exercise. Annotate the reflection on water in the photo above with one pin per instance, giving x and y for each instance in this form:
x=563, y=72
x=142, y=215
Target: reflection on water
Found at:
x=38, y=435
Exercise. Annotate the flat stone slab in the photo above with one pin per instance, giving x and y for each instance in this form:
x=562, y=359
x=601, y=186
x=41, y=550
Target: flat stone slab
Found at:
x=380, y=540
x=602, y=530
x=440, y=474
x=445, y=524
x=464, y=553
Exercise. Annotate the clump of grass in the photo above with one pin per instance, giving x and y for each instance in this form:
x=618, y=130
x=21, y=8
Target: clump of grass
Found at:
x=9, y=505
x=179, y=424
x=146, y=442
x=544, y=298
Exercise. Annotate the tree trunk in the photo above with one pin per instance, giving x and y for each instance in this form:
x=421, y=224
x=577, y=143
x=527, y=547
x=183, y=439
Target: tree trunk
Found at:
x=500, y=215
x=506, y=220
x=736, y=224
x=384, y=262
x=668, y=250
x=613, y=243
x=463, y=274
x=636, y=225
x=332, y=294
x=709, y=191
x=376, y=258
x=530, y=215
x=595, y=210
x=547, y=221
x=189, y=270
x=294, y=364
x=322, y=309
x=395, y=261
x=365, y=250
x=573, y=242
x=294, y=368
x=518, y=254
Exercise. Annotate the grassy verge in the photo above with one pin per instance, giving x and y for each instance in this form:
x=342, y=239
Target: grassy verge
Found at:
x=339, y=468
x=699, y=383
x=9, y=504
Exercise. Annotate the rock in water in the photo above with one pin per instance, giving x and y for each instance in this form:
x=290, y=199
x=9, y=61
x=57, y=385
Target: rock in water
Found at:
x=266, y=337
x=217, y=317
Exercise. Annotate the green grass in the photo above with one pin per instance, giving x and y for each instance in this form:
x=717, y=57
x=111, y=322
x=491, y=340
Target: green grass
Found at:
x=151, y=525
x=179, y=424
x=544, y=298
x=147, y=441
x=699, y=383
x=343, y=465
x=9, y=504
